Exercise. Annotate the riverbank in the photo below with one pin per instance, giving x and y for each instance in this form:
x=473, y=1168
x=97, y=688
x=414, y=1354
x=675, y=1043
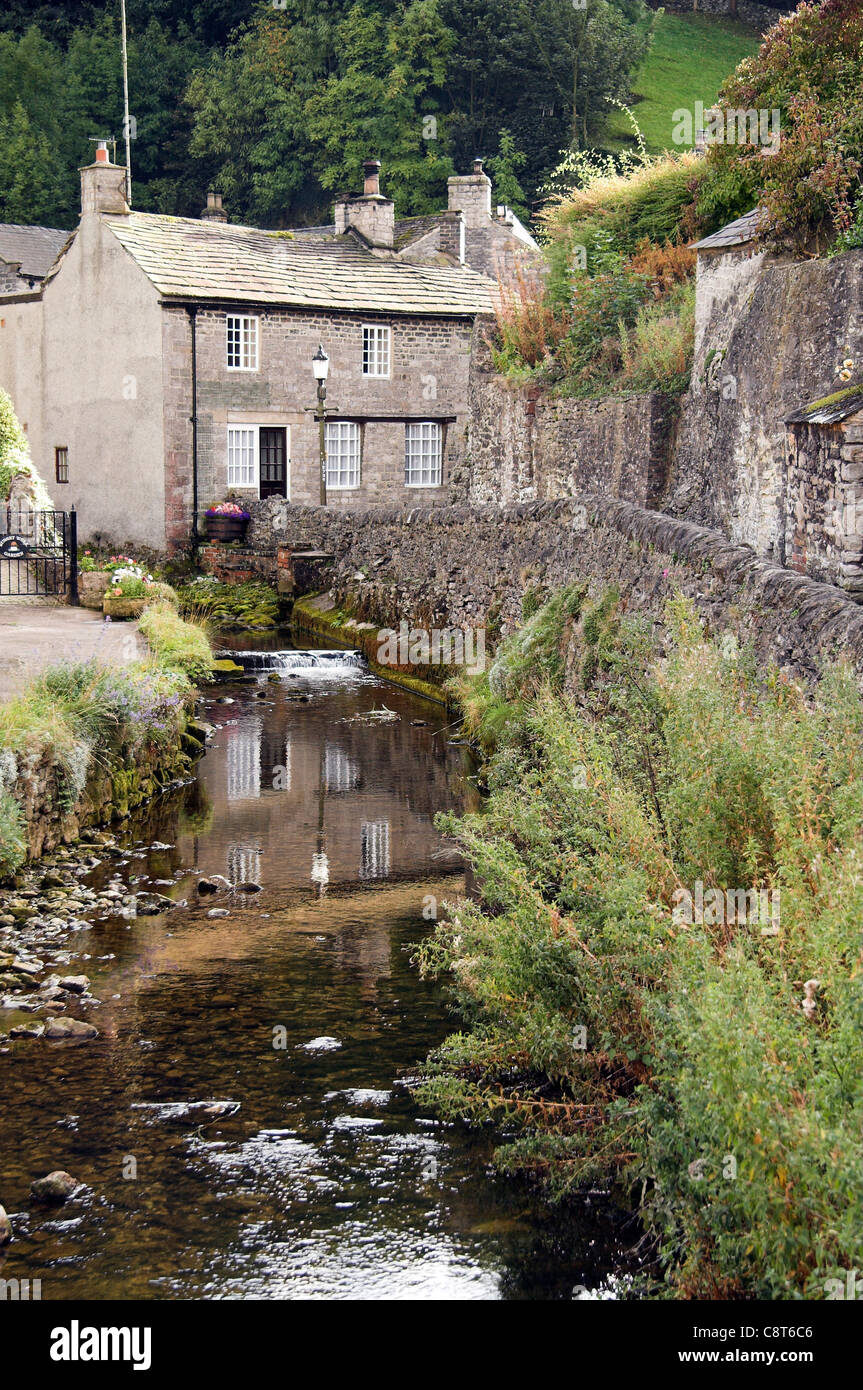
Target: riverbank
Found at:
x=661, y=975
x=87, y=742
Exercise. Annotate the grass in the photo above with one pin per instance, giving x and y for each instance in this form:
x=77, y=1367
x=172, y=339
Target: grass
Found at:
x=689, y=59
x=176, y=643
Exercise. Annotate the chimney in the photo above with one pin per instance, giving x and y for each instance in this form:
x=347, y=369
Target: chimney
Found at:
x=214, y=212
x=103, y=184
x=470, y=194
x=369, y=213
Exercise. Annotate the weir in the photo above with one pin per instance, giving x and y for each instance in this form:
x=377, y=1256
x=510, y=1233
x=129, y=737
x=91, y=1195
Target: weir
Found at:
x=329, y=663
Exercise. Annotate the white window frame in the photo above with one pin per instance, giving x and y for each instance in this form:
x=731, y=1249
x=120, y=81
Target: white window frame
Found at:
x=433, y=454
x=345, y=431
x=377, y=350
x=255, y=483
x=248, y=337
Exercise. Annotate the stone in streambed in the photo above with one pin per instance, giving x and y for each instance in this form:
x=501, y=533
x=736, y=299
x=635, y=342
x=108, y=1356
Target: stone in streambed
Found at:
x=247, y=888
x=54, y=1189
x=215, y=912
x=27, y=1030
x=5, y=1228
x=151, y=904
x=58, y=1029
x=75, y=984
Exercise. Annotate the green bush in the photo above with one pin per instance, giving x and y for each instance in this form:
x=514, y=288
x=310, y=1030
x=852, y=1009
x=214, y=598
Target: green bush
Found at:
x=809, y=68
x=717, y=1076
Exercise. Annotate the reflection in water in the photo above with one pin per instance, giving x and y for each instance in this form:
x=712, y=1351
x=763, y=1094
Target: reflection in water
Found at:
x=301, y=1005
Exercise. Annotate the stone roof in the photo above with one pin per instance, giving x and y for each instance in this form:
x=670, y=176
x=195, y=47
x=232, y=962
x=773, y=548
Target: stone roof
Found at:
x=832, y=410
x=190, y=259
x=35, y=249
x=736, y=233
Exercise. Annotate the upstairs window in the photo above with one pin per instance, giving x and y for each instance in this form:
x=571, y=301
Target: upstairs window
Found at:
x=423, y=454
x=242, y=343
x=343, y=454
x=61, y=464
x=376, y=350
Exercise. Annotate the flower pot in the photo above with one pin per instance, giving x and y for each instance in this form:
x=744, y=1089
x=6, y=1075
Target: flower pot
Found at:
x=226, y=528
x=123, y=607
x=91, y=588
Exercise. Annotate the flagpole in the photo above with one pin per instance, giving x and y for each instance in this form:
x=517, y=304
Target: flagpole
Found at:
x=126, y=123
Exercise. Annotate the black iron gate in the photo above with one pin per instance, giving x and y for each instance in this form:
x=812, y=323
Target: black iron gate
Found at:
x=38, y=554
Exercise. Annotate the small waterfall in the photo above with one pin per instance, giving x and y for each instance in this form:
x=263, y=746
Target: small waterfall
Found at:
x=310, y=663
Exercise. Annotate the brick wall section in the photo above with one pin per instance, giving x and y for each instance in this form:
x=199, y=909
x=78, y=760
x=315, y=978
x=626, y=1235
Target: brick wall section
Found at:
x=824, y=504
x=429, y=380
x=457, y=565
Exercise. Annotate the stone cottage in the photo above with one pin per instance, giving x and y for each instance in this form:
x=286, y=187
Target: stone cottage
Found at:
x=165, y=362
x=824, y=514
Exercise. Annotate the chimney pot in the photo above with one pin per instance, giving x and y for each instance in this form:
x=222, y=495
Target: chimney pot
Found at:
x=371, y=175
x=102, y=152
x=477, y=165
x=214, y=212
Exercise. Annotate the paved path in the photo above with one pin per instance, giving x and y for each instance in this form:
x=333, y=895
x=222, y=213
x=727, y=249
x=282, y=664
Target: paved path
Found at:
x=37, y=632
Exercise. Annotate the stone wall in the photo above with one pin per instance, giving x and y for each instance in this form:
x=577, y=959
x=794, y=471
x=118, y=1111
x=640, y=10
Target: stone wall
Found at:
x=771, y=334
x=131, y=782
x=526, y=444
x=824, y=535
x=457, y=566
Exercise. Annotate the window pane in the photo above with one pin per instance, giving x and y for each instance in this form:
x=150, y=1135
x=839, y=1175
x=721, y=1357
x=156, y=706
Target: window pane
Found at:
x=242, y=342
x=342, y=442
x=241, y=457
x=376, y=350
x=423, y=454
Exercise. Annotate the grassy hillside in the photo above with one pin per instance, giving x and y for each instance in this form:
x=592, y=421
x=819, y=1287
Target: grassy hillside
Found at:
x=689, y=59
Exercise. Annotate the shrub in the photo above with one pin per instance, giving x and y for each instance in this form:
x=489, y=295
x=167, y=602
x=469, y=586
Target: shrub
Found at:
x=657, y=350
x=529, y=327
x=717, y=1075
x=810, y=69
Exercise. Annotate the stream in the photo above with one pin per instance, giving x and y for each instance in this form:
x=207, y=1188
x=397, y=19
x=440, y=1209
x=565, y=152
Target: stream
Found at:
x=301, y=1011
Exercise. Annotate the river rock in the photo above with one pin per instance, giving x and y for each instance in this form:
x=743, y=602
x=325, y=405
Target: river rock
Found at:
x=75, y=984
x=27, y=1030
x=248, y=887
x=151, y=904
x=5, y=1228
x=57, y=1187
x=218, y=912
x=58, y=1028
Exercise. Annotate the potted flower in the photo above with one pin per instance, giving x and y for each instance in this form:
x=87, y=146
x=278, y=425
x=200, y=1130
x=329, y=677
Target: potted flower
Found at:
x=129, y=591
x=226, y=521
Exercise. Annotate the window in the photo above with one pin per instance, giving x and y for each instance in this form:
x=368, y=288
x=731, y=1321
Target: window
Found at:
x=242, y=456
x=423, y=454
x=376, y=350
x=61, y=464
x=375, y=849
x=242, y=343
x=343, y=454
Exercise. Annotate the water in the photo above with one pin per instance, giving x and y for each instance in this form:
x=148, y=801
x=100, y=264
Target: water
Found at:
x=327, y=1180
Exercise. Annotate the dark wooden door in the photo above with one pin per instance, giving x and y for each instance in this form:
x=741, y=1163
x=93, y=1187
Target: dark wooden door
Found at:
x=274, y=462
